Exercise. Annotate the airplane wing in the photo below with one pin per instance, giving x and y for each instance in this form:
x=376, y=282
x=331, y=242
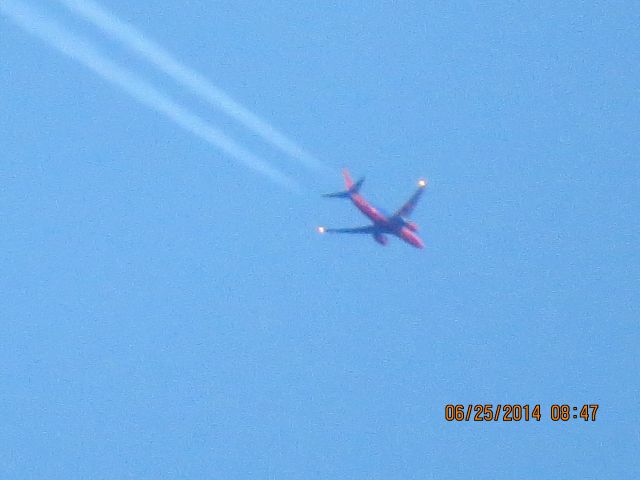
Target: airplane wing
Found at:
x=365, y=229
x=408, y=207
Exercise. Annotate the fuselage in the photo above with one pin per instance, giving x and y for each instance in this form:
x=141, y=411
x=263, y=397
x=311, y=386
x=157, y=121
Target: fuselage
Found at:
x=384, y=224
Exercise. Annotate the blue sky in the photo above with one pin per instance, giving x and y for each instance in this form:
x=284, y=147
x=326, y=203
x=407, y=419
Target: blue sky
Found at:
x=168, y=313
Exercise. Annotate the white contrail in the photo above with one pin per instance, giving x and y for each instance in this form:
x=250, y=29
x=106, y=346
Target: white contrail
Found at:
x=84, y=52
x=196, y=83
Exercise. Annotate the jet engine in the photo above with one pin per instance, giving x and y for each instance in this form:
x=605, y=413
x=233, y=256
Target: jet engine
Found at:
x=411, y=226
x=380, y=238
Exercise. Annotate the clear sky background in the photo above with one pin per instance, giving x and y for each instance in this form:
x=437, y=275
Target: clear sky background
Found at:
x=167, y=313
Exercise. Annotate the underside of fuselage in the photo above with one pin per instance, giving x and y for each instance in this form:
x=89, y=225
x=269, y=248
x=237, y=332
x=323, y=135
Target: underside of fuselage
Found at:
x=403, y=233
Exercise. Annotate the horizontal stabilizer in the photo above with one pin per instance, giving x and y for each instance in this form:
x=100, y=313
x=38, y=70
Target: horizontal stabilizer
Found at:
x=352, y=188
x=346, y=194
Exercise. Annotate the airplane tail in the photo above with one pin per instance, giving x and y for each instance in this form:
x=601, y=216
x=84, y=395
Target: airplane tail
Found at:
x=351, y=187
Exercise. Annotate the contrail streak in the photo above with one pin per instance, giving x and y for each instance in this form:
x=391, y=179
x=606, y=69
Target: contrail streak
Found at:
x=84, y=52
x=196, y=83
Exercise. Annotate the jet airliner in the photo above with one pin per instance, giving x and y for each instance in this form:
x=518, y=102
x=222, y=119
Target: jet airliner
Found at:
x=383, y=225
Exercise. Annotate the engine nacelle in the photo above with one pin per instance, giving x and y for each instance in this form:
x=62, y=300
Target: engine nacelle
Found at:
x=380, y=238
x=412, y=226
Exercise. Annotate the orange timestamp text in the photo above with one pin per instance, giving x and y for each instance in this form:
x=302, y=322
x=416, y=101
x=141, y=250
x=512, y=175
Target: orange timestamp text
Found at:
x=515, y=412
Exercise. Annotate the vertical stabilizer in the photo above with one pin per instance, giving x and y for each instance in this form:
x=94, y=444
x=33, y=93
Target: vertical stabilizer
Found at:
x=347, y=179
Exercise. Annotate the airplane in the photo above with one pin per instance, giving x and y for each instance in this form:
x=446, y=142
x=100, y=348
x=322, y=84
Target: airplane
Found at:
x=383, y=224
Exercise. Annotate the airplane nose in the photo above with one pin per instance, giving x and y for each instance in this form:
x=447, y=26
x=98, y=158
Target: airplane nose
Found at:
x=412, y=238
x=417, y=241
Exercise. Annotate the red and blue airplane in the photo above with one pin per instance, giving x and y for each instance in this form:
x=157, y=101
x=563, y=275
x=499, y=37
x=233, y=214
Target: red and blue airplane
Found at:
x=396, y=224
